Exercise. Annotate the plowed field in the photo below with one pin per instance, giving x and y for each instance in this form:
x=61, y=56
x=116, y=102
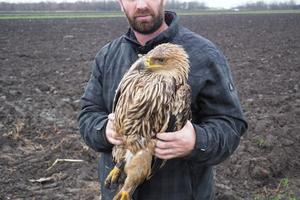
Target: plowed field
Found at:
x=44, y=67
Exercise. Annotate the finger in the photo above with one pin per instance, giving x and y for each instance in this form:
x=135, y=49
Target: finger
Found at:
x=111, y=134
x=116, y=138
x=162, y=145
x=110, y=125
x=166, y=157
x=164, y=154
x=115, y=135
x=111, y=116
x=169, y=136
x=115, y=141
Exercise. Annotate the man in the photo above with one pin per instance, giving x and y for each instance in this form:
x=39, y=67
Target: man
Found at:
x=217, y=121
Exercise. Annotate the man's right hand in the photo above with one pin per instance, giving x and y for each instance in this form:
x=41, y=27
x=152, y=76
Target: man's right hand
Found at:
x=110, y=132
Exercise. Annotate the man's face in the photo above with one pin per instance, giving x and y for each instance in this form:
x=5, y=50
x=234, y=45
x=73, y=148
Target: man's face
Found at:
x=144, y=16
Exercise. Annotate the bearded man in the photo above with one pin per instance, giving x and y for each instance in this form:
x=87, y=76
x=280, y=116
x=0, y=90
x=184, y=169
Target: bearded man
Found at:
x=217, y=119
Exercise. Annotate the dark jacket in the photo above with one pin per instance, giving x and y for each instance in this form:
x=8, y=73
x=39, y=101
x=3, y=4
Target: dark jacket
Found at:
x=217, y=115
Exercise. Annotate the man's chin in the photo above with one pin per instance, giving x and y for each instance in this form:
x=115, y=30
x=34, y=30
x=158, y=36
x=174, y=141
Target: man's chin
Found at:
x=144, y=31
x=144, y=28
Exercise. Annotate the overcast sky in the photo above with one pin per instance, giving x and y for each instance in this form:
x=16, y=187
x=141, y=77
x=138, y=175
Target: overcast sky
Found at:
x=232, y=3
x=210, y=3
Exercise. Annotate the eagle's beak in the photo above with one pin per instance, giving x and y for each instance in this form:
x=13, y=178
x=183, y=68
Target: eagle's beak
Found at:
x=147, y=63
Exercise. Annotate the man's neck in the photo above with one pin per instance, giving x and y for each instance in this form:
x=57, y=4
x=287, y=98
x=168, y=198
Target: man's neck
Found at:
x=143, y=38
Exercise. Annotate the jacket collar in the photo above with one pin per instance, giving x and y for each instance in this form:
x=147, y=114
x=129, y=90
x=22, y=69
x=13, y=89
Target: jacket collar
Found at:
x=164, y=37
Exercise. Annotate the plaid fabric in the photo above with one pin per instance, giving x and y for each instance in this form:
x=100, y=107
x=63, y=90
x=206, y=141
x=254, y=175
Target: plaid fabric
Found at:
x=217, y=115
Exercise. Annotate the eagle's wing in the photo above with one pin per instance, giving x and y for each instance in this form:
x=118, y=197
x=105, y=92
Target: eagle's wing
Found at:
x=180, y=114
x=132, y=69
x=181, y=107
x=119, y=151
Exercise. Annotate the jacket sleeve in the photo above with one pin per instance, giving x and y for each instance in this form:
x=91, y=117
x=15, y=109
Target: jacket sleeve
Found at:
x=93, y=115
x=218, y=119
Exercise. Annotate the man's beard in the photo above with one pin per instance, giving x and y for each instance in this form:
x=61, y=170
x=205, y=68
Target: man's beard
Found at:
x=146, y=27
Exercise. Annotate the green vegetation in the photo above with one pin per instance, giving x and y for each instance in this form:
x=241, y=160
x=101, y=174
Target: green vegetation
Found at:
x=261, y=142
x=85, y=14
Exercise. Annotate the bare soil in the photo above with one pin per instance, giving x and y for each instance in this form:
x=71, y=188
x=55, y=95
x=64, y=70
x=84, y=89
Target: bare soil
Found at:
x=44, y=67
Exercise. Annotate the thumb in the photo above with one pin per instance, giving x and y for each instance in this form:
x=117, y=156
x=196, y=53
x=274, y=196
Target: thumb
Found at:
x=111, y=116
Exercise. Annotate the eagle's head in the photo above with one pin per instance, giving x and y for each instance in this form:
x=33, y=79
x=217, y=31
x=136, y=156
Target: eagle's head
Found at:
x=166, y=59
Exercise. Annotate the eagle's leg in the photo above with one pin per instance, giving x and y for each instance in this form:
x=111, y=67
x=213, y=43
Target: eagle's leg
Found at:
x=137, y=169
x=114, y=174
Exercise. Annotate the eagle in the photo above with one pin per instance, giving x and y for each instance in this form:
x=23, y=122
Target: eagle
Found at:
x=152, y=97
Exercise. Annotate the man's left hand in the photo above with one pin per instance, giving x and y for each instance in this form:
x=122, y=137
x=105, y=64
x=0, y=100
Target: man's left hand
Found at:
x=176, y=144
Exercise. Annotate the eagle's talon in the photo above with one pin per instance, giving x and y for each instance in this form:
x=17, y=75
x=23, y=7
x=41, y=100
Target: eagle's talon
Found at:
x=107, y=183
x=112, y=177
x=122, y=195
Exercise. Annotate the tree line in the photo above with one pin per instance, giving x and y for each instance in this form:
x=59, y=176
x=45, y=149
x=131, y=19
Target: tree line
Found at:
x=112, y=5
x=260, y=5
x=105, y=5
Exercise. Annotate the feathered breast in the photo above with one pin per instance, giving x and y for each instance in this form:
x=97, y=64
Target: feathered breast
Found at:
x=144, y=106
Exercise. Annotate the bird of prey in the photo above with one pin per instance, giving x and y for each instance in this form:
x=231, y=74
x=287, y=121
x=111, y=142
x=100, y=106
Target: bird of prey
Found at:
x=152, y=97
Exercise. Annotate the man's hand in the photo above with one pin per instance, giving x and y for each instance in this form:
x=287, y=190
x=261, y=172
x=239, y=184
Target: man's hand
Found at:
x=110, y=132
x=176, y=144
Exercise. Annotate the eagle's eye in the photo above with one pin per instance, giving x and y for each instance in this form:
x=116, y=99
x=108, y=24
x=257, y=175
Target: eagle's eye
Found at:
x=160, y=61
